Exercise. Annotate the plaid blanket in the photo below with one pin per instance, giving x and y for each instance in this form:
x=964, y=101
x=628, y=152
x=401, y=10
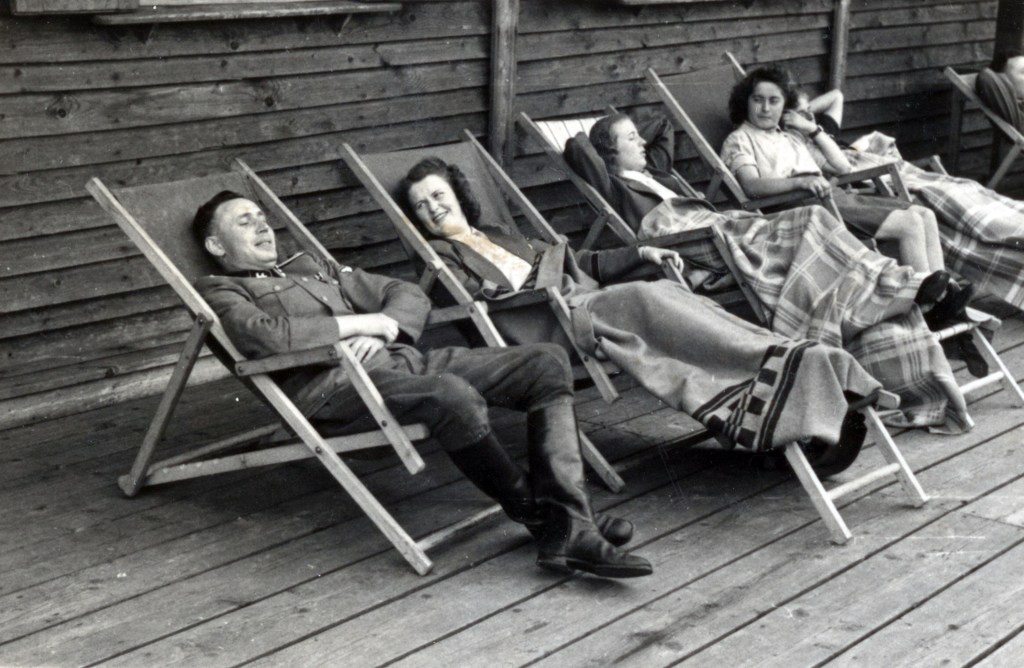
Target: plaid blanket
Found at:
x=739, y=380
x=982, y=232
x=819, y=282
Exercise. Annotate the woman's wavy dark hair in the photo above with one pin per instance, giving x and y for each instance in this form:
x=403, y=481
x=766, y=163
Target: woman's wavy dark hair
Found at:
x=602, y=138
x=742, y=91
x=450, y=173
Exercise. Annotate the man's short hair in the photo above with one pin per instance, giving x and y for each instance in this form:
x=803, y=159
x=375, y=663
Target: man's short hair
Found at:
x=202, y=223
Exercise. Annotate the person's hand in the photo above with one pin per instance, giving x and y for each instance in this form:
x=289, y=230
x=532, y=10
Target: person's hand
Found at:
x=794, y=120
x=364, y=347
x=661, y=256
x=368, y=324
x=386, y=327
x=818, y=185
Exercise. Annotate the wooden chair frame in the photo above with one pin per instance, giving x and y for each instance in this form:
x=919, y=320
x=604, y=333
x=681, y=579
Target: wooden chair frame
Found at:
x=823, y=499
x=367, y=168
x=210, y=459
x=963, y=91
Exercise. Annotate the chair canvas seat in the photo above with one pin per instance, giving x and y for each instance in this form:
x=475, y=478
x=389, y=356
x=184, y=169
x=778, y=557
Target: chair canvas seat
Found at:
x=158, y=219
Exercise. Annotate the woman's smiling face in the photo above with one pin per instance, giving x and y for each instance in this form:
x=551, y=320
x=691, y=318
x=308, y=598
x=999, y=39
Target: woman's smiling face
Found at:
x=436, y=206
x=765, y=105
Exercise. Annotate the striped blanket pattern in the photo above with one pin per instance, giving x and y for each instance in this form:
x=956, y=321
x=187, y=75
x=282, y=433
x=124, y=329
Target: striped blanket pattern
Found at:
x=820, y=283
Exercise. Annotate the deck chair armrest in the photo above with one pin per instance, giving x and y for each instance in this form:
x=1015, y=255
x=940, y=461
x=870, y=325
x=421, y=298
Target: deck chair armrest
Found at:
x=439, y=317
x=292, y=360
x=874, y=174
x=882, y=399
x=518, y=300
x=794, y=197
x=678, y=239
x=864, y=174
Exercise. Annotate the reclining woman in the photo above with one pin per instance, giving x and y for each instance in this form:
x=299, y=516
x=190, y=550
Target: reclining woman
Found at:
x=742, y=382
x=815, y=279
x=769, y=152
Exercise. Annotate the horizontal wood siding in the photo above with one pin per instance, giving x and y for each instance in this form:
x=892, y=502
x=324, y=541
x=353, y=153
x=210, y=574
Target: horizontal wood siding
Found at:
x=84, y=321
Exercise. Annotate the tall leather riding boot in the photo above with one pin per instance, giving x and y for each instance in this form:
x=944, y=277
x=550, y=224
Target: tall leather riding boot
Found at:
x=571, y=539
x=487, y=465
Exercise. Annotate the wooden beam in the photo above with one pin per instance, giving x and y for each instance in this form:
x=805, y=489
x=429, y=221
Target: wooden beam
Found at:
x=1009, y=26
x=504, y=25
x=840, y=44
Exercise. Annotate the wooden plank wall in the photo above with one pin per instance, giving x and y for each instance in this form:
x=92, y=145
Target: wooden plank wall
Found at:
x=86, y=323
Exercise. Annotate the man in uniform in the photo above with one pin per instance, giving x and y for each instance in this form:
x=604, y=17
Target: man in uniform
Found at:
x=268, y=308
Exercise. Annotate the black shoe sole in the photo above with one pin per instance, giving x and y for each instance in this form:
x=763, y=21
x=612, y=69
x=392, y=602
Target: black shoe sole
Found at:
x=566, y=565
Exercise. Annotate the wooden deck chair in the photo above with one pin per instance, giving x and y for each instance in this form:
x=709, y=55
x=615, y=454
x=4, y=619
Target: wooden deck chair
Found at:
x=705, y=122
x=551, y=135
x=158, y=218
x=963, y=91
x=381, y=173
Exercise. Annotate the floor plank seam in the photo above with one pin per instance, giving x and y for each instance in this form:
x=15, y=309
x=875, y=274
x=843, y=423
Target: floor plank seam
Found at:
x=954, y=508
x=354, y=516
x=999, y=644
x=564, y=580
x=425, y=582
x=883, y=624
x=432, y=581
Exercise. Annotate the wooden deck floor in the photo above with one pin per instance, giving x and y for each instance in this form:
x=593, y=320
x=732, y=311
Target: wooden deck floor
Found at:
x=278, y=568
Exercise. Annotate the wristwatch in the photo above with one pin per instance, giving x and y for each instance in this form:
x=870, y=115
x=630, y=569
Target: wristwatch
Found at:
x=817, y=131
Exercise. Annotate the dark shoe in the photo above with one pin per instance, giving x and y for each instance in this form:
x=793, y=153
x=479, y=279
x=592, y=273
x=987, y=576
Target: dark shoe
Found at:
x=615, y=530
x=579, y=546
x=932, y=288
x=969, y=353
x=951, y=308
x=827, y=459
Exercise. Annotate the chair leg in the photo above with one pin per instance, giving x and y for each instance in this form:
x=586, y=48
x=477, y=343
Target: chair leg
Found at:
x=1004, y=166
x=892, y=454
x=819, y=496
x=560, y=309
x=132, y=482
x=601, y=466
x=992, y=357
x=387, y=524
